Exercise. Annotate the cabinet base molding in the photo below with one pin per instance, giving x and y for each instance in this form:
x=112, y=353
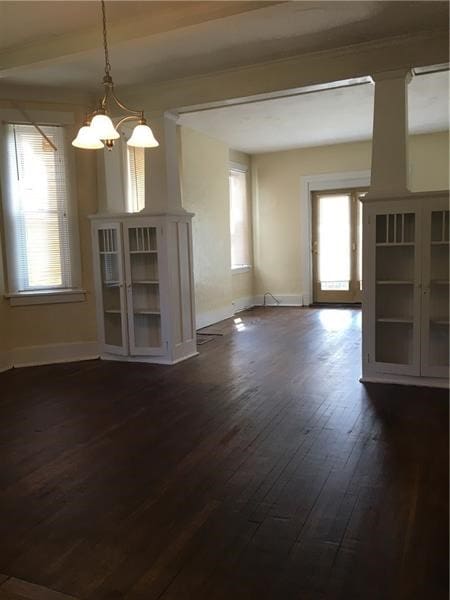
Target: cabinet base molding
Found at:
x=155, y=360
x=407, y=380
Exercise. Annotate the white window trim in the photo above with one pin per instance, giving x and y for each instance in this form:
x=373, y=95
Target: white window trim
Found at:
x=51, y=296
x=47, y=297
x=234, y=166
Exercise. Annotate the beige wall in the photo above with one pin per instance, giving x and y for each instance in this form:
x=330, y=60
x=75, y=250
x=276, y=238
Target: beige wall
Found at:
x=206, y=193
x=429, y=162
x=277, y=216
x=43, y=325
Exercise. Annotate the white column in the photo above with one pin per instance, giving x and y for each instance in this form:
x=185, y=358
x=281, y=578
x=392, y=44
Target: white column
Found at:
x=389, y=175
x=162, y=167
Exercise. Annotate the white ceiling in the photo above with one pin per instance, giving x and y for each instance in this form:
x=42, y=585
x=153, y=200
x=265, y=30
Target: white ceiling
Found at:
x=59, y=43
x=319, y=118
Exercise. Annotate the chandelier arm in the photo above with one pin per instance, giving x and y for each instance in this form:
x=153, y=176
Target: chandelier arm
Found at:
x=104, y=100
x=123, y=106
x=128, y=118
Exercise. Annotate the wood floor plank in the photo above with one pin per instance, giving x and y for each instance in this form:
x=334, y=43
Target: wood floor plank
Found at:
x=261, y=469
x=22, y=590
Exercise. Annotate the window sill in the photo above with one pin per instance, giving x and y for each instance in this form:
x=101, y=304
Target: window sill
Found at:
x=242, y=269
x=46, y=297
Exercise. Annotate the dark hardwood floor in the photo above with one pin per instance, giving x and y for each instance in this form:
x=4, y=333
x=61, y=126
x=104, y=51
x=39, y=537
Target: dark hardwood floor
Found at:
x=261, y=469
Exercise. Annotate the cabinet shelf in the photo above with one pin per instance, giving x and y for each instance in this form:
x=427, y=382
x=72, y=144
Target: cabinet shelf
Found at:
x=145, y=282
x=444, y=322
x=146, y=312
x=441, y=243
x=440, y=282
x=395, y=282
x=112, y=311
x=405, y=321
x=143, y=251
x=395, y=244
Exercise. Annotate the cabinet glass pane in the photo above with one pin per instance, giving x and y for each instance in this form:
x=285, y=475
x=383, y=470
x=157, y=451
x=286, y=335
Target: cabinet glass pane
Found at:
x=395, y=229
x=108, y=244
x=439, y=290
x=145, y=286
x=147, y=330
x=394, y=343
x=439, y=226
x=334, y=242
x=394, y=289
x=142, y=239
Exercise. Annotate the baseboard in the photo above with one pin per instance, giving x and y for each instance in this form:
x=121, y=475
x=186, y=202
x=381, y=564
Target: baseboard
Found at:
x=243, y=303
x=284, y=300
x=407, y=380
x=28, y=356
x=151, y=360
x=213, y=316
x=5, y=361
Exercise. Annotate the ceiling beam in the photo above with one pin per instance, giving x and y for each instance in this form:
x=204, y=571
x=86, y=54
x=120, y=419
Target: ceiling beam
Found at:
x=164, y=17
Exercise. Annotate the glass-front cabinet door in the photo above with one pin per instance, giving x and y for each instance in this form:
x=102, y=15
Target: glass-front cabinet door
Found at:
x=395, y=274
x=435, y=293
x=142, y=245
x=110, y=274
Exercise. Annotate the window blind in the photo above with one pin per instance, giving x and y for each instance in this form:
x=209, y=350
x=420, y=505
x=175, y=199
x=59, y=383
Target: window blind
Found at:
x=239, y=222
x=37, y=209
x=135, y=179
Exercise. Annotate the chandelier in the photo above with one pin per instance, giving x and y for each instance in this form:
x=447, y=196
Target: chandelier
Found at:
x=99, y=130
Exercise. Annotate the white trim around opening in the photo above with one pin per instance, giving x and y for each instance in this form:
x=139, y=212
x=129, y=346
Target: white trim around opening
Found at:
x=316, y=183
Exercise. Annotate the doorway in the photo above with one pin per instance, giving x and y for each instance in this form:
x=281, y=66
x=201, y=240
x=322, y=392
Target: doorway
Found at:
x=337, y=246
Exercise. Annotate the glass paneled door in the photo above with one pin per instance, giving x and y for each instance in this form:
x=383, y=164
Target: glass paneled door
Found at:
x=110, y=274
x=435, y=293
x=143, y=288
x=337, y=246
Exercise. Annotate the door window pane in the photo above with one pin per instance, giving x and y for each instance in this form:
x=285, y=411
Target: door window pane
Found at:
x=334, y=242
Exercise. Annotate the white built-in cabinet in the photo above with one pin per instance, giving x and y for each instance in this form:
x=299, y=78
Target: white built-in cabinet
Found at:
x=144, y=287
x=406, y=289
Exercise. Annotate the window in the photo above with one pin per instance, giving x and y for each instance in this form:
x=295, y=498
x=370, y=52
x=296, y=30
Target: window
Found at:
x=239, y=220
x=37, y=210
x=135, y=179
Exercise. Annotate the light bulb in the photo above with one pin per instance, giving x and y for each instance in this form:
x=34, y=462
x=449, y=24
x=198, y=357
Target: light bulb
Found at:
x=103, y=128
x=142, y=137
x=87, y=139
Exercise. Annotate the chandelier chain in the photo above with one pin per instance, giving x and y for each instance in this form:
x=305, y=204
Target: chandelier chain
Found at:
x=105, y=42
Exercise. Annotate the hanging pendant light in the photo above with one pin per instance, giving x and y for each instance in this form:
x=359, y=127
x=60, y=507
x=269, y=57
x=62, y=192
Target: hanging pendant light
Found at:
x=99, y=126
x=86, y=139
x=142, y=137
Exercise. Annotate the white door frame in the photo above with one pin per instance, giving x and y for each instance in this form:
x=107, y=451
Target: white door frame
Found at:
x=317, y=183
